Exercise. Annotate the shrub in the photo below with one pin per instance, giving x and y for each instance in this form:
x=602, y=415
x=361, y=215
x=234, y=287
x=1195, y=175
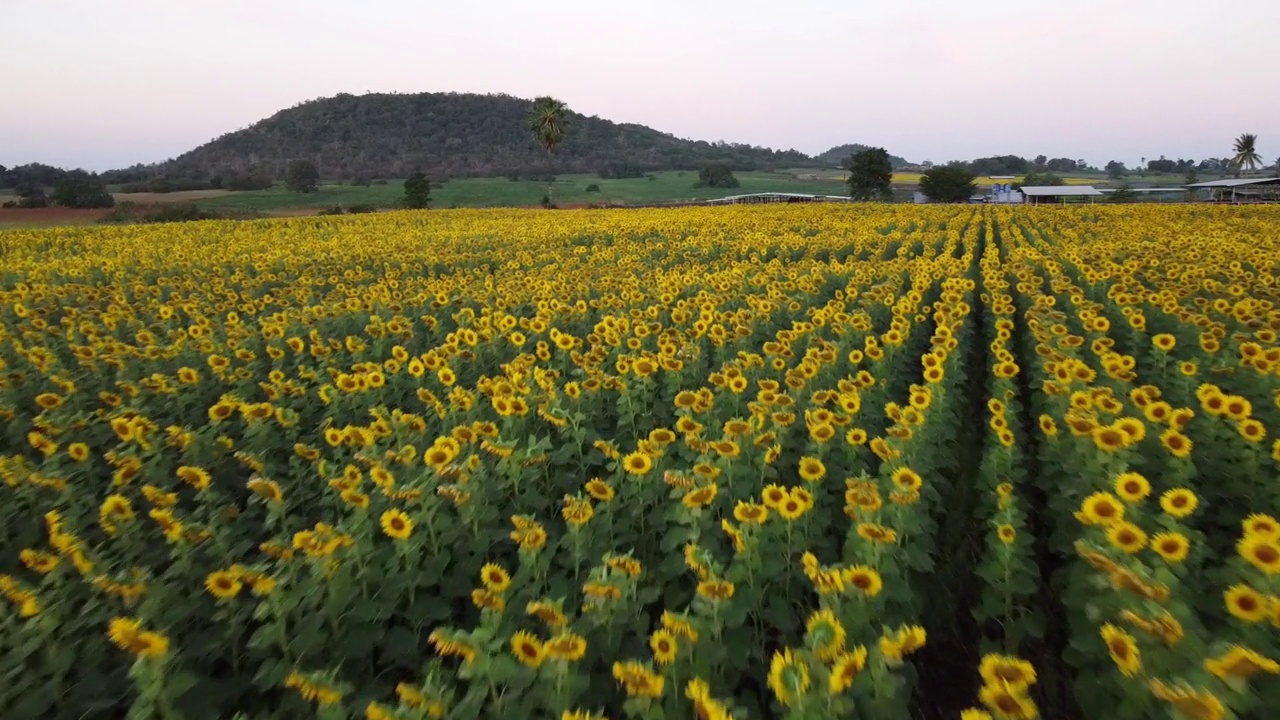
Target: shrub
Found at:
x=593, y=188
x=716, y=175
x=81, y=192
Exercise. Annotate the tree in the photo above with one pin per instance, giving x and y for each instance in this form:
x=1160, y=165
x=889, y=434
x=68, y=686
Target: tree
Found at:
x=81, y=192
x=1046, y=179
x=303, y=176
x=1246, y=153
x=948, y=184
x=1040, y=161
x=547, y=121
x=1191, y=177
x=870, y=175
x=31, y=195
x=1123, y=194
x=716, y=175
x=417, y=191
x=1115, y=170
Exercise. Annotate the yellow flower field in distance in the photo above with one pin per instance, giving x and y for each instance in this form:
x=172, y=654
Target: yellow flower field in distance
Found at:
x=803, y=461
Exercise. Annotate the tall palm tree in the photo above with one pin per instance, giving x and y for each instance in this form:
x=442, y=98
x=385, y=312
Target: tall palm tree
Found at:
x=547, y=121
x=1246, y=153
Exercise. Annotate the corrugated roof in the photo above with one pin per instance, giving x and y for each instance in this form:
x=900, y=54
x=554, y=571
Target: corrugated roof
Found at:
x=1233, y=182
x=1059, y=190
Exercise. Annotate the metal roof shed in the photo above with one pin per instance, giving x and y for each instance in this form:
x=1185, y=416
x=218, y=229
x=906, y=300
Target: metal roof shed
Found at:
x=1036, y=194
x=1246, y=189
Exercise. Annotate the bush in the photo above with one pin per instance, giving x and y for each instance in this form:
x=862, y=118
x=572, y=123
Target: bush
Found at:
x=252, y=181
x=379, y=182
x=619, y=170
x=81, y=192
x=9, y=204
x=303, y=177
x=593, y=188
x=716, y=175
x=361, y=181
x=417, y=191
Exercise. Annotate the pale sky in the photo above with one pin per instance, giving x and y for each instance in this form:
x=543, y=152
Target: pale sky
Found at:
x=104, y=85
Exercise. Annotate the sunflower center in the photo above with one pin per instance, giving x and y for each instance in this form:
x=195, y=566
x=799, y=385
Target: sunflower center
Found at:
x=1119, y=648
x=397, y=524
x=1007, y=704
x=1267, y=554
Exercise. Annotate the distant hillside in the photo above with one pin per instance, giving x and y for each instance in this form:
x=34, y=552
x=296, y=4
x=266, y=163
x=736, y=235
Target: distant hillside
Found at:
x=836, y=156
x=449, y=134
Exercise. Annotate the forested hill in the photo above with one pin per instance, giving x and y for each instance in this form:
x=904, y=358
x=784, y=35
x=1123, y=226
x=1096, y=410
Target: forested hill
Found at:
x=838, y=155
x=453, y=135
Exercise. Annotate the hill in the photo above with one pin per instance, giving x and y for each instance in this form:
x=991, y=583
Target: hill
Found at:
x=836, y=156
x=453, y=135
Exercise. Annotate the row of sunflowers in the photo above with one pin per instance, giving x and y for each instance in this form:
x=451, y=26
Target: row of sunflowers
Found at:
x=802, y=462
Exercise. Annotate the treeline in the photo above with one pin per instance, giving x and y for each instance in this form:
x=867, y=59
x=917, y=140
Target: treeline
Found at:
x=447, y=135
x=37, y=185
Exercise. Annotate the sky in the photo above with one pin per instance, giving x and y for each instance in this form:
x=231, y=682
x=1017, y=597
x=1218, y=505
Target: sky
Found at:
x=104, y=85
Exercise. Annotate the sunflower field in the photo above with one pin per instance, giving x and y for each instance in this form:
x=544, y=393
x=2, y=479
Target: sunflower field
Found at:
x=747, y=462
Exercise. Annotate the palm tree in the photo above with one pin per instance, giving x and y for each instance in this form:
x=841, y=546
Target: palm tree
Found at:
x=547, y=121
x=1246, y=153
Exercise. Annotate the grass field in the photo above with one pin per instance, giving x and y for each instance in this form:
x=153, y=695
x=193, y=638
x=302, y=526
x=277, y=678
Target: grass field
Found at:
x=568, y=190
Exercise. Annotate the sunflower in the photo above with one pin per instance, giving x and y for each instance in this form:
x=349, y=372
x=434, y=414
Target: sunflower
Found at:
x=856, y=437
x=788, y=677
x=1172, y=546
x=527, y=648
x=1245, y=603
x=701, y=497
x=79, y=452
x=1262, y=552
x=1007, y=702
x=1242, y=663
x=495, y=578
x=790, y=508
x=975, y=714
x=750, y=513
x=1252, y=430
x=223, y=584
x=1132, y=487
x=811, y=469
x=1048, y=426
x=197, y=478
x=547, y=612
x=664, y=646
x=1260, y=525
x=1176, y=443
x=864, y=578
x=395, y=524
x=637, y=463
x=716, y=590
x=1016, y=672
x=1006, y=533
x=1108, y=438
x=1164, y=342
x=1197, y=704
x=845, y=669
x=638, y=680
x=1179, y=502
x=826, y=635
x=1100, y=509
x=268, y=490
x=877, y=533
x=566, y=646
x=907, y=479
x=1123, y=649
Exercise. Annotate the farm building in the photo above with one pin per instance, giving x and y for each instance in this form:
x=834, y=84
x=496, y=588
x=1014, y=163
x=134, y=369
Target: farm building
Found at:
x=757, y=198
x=1240, y=190
x=1041, y=194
